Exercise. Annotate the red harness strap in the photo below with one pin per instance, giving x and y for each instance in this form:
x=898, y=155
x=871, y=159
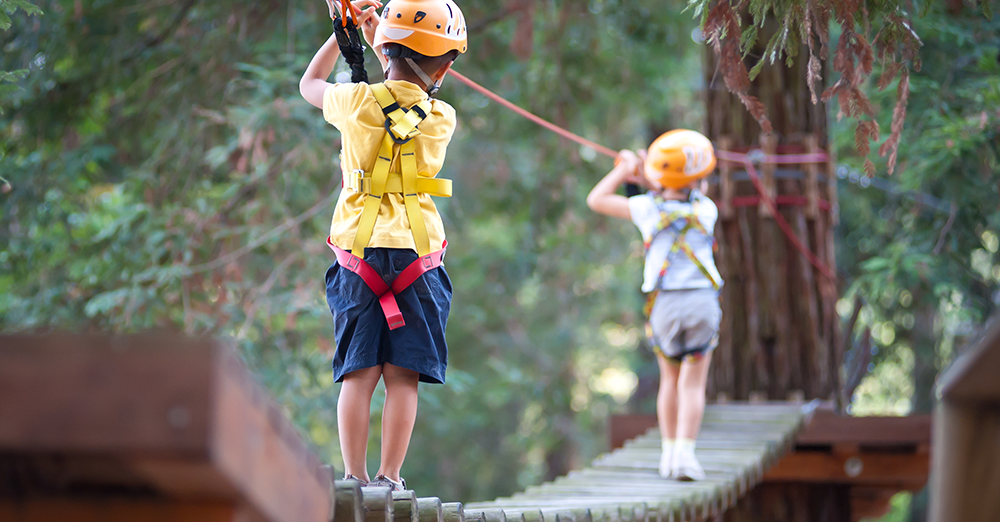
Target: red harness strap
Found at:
x=387, y=293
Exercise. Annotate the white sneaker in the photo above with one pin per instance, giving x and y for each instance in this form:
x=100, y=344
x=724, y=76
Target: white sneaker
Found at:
x=666, y=464
x=686, y=466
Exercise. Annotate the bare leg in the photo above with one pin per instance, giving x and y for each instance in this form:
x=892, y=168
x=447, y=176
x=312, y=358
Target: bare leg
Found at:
x=353, y=415
x=666, y=398
x=691, y=388
x=398, y=416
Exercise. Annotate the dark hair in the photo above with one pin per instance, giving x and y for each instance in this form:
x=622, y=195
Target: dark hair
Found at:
x=398, y=51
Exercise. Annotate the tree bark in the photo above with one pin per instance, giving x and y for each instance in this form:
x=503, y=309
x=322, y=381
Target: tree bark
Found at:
x=780, y=327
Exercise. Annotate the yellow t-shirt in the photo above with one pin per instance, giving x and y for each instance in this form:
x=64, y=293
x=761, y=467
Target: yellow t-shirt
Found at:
x=351, y=107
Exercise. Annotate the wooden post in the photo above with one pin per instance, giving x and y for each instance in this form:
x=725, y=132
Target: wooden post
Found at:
x=769, y=144
x=812, y=179
x=726, y=184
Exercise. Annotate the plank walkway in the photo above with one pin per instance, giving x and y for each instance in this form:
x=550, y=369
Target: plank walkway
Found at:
x=169, y=428
x=738, y=443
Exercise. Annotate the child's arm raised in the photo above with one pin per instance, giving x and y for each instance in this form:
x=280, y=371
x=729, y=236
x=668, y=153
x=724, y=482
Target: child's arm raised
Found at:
x=313, y=84
x=603, y=199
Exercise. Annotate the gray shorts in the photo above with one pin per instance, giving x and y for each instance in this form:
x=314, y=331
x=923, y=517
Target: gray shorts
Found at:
x=685, y=323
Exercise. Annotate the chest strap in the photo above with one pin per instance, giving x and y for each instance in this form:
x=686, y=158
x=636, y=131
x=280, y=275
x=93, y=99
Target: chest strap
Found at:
x=680, y=242
x=385, y=292
x=362, y=182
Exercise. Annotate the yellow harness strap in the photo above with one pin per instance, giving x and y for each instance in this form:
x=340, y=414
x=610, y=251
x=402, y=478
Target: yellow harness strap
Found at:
x=361, y=181
x=401, y=127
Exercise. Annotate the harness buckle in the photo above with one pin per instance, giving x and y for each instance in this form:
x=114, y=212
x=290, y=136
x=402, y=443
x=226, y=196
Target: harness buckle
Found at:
x=399, y=141
x=428, y=261
x=353, y=263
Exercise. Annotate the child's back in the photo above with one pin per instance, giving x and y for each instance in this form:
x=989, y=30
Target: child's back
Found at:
x=353, y=109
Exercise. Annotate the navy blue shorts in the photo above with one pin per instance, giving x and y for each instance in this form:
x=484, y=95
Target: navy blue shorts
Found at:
x=363, y=336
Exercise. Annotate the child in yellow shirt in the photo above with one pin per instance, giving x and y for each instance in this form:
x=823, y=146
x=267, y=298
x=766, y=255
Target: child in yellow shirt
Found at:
x=388, y=291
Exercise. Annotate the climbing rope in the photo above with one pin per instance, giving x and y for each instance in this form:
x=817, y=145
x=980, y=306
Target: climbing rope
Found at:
x=748, y=160
x=345, y=27
x=544, y=123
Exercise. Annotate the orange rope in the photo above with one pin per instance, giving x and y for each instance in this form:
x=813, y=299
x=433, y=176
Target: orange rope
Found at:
x=722, y=155
x=544, y=123
x=735, y=157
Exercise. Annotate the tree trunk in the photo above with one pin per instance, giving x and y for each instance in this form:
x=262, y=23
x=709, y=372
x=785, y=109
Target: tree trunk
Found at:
x=780, y=332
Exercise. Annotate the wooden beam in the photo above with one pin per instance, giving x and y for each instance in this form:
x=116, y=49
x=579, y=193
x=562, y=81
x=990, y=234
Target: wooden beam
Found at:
x=157, y=415
x=115, y=510
x=973, y=376
x=827, y=428
x=903, y=471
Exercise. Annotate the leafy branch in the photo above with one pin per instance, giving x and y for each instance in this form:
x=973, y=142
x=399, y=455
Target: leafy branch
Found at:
x=732, y=27
x=8, y=8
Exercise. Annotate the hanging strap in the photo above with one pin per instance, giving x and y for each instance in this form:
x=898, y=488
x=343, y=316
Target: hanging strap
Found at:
x=380, y=174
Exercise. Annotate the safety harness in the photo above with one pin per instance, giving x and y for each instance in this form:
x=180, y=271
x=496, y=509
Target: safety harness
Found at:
x=400, y=128
x=680, y=244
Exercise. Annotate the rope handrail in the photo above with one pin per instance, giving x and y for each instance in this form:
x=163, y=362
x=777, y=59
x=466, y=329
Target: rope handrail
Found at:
x=532, y=117
x=748, y=159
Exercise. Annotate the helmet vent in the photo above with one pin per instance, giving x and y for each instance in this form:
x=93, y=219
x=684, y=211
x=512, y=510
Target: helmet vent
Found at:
x=419, y=16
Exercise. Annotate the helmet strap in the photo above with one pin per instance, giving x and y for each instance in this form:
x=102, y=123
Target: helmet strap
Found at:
x=431, y=86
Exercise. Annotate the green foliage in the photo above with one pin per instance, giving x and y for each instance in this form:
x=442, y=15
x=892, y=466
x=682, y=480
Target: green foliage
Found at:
x=7, y=8
x=929, y=276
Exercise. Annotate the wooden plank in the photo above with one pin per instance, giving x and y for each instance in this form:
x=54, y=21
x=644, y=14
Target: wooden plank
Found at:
x=115, y=510
x=430, y=510
x=453, y=512
x=378, y=504
x=349, y=507
x=404, y=506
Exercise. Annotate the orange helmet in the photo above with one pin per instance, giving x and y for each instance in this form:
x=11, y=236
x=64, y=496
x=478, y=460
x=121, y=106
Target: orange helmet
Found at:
x=678, y=158
x=429, y=27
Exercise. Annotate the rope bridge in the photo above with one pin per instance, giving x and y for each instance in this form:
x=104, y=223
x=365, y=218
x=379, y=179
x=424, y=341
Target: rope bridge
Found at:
x=737, y=445
x=164, y=428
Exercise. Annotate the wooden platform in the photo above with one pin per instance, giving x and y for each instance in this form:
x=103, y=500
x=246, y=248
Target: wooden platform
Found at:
x=737, y=445
x=151, y=427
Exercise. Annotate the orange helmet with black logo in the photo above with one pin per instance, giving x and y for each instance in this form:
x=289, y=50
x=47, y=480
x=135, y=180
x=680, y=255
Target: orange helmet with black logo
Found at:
x=678, y=158
x=429, y=27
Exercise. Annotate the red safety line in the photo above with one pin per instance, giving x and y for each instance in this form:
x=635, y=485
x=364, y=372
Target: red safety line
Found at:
x=544, y=123
x=785, y=227
x=724, y=155
x=781, y=201
x=774, y=159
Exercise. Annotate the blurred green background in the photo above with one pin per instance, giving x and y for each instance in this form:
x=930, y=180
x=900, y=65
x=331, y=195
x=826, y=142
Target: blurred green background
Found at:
x=165, y=174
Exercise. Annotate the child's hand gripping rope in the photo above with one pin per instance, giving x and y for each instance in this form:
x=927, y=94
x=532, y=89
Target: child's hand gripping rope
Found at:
x=347, y=18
